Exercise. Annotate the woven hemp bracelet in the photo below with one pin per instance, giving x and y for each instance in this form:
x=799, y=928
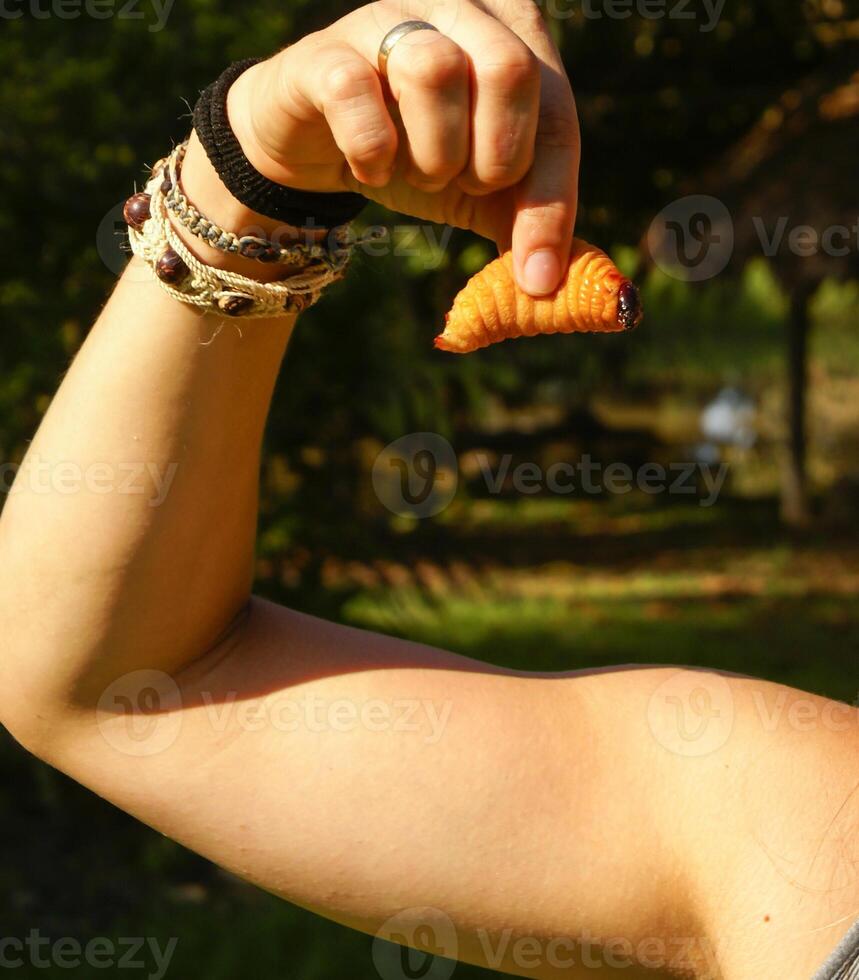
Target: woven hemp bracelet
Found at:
x=300, y=254
x=184, y=277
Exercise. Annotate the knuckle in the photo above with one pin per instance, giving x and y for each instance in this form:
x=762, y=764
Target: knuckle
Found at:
x=506, y=163
x=548, y=214
x=347, y=80
x=435, y=172
x=496, y=176
x=471, y=186
x=486, y=180
x=437, y=65
x=426, y=183
x=450, y=170
x=558, y=126
x=509, y=65
x=369, y=146
x=506, y=166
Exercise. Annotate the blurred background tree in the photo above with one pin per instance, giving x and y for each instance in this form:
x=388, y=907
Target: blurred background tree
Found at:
x=670, y=106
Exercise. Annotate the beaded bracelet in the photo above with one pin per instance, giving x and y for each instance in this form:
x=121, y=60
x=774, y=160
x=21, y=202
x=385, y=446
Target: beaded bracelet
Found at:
x=184, y=277
x=248, y=246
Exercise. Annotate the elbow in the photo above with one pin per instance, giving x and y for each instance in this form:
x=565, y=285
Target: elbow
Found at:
x=17, y=735
x=37, y=732
x=32, y=711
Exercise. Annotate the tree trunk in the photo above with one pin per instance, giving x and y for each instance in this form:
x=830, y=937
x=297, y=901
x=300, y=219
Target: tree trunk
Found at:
x=795, y=503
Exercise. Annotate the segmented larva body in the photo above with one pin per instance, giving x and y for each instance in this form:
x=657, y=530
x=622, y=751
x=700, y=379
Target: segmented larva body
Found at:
x=594, y=297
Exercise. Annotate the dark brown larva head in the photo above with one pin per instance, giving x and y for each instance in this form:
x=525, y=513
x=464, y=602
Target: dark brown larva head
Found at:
x=629, y=311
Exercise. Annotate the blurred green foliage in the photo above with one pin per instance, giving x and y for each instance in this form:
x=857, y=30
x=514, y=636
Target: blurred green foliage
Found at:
x=85, y=103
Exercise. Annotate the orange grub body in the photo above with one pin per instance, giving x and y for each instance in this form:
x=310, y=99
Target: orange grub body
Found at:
x=594, y=297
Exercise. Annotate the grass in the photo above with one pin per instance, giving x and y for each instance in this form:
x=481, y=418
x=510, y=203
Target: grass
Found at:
x=812, y=647
x=718, y=587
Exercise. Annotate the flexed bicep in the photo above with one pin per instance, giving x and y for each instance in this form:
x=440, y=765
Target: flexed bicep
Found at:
x=371, y=779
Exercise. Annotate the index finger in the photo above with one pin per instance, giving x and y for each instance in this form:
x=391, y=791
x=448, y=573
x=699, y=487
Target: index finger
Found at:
x=546, y=201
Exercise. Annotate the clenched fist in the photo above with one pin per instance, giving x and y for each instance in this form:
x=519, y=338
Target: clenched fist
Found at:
x=474, y=126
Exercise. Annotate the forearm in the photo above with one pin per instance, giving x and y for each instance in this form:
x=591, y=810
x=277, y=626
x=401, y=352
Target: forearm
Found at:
x=127, y=539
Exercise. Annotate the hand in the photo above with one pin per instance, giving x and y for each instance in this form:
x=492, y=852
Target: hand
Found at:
x=475, y=127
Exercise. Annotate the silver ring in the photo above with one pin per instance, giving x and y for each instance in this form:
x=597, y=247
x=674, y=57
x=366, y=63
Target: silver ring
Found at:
x=395, y=35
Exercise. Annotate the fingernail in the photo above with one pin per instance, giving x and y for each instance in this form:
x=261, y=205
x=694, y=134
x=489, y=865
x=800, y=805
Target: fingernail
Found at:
x=541, y=272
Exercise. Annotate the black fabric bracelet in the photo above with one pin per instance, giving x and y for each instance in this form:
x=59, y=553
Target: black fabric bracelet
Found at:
x=294, y=207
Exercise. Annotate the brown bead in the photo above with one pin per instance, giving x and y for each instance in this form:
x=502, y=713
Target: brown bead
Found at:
x=170, y=268
x=233, y=305
x=166, y=186
x=136, y=211
x=298, y=302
